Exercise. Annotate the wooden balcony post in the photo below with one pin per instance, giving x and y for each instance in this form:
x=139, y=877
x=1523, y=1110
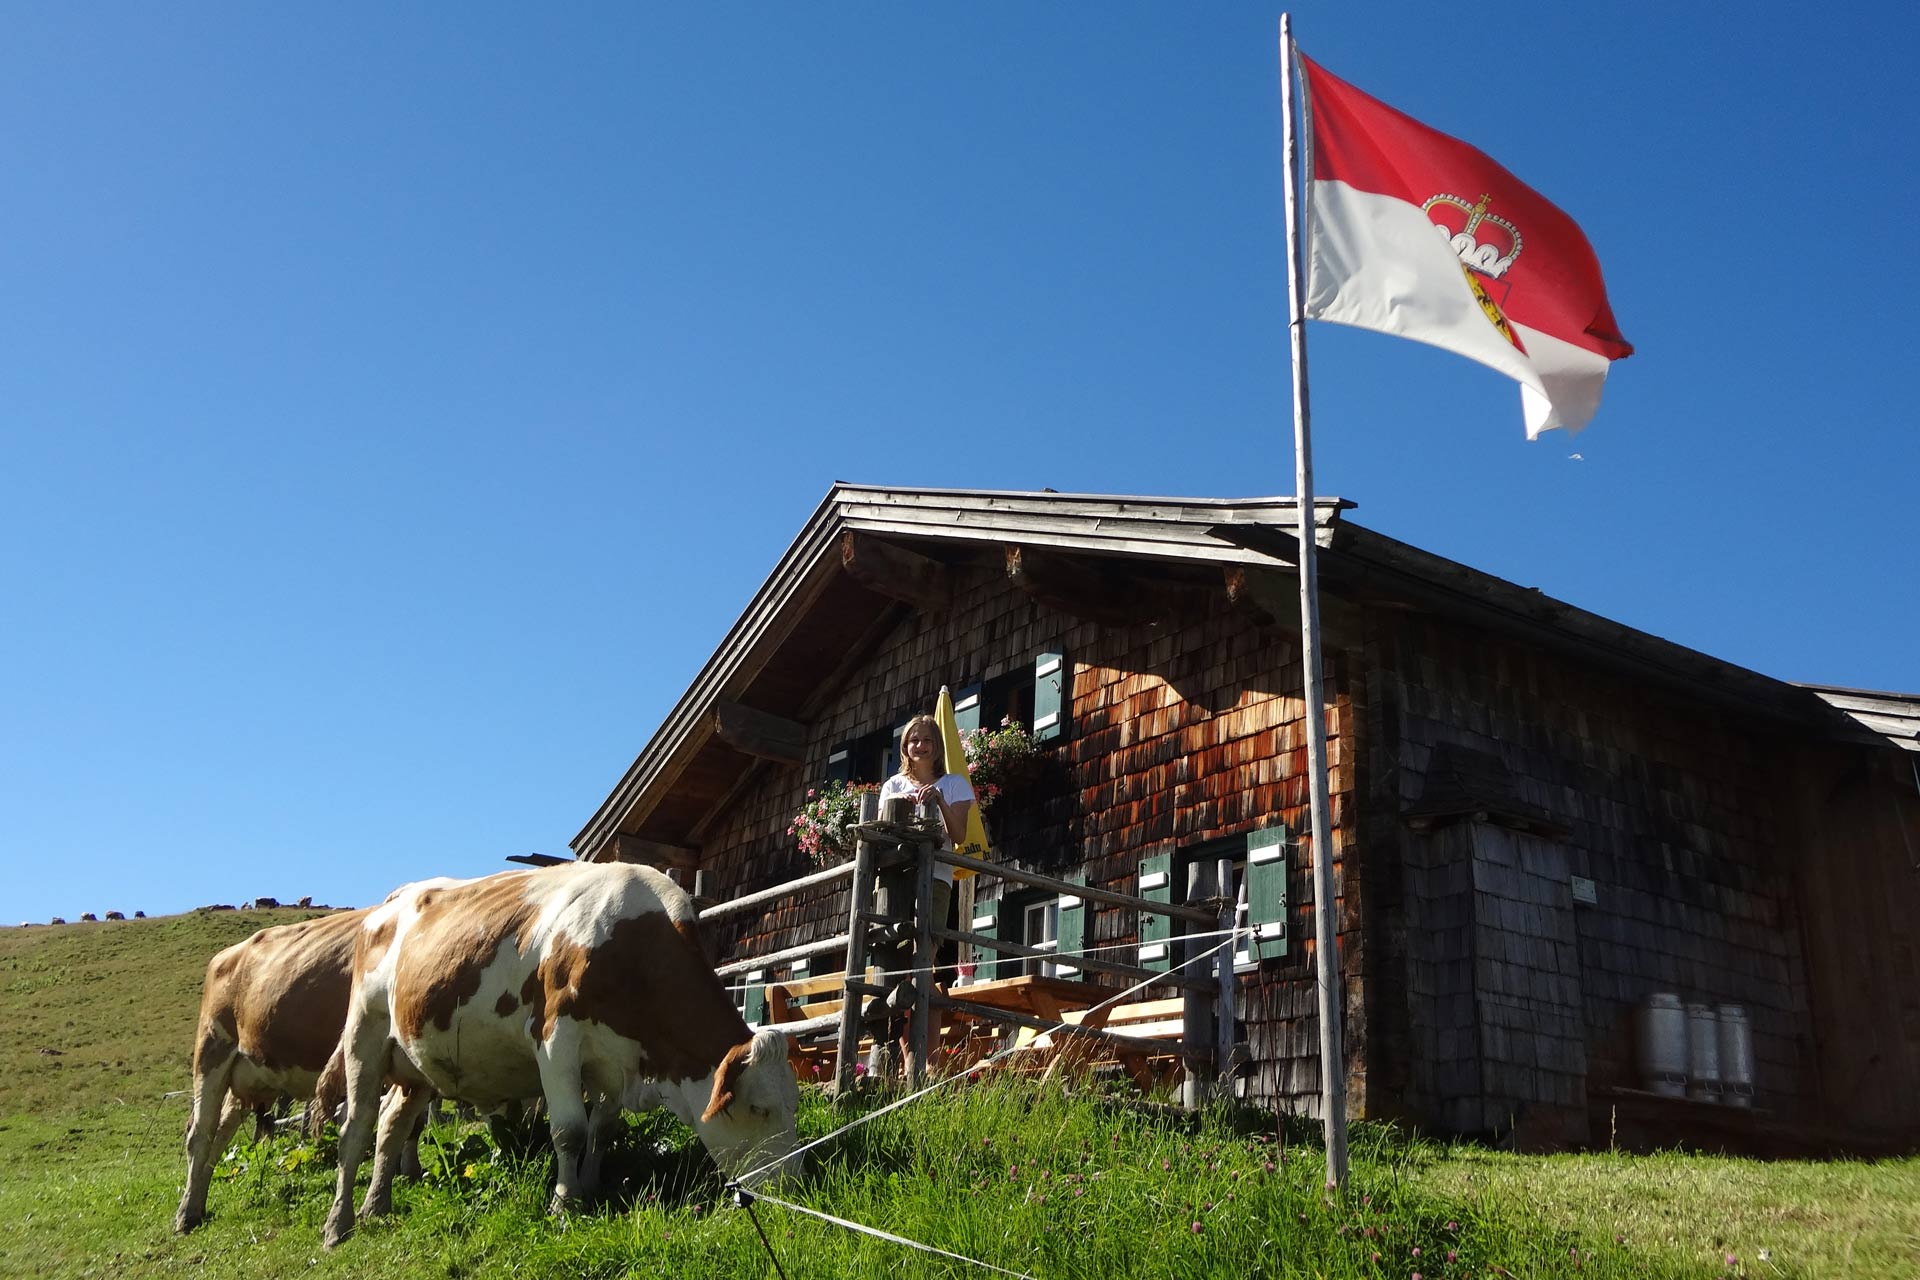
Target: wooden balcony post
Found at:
x=918, y=1030
x=860, y=906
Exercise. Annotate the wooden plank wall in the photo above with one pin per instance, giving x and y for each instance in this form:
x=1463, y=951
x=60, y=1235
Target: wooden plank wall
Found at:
x=1858, y=870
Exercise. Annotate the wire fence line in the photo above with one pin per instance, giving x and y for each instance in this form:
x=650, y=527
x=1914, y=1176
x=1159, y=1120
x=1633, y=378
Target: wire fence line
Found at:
x=863, y=1229
x=747, y=1178
x=745, y=1197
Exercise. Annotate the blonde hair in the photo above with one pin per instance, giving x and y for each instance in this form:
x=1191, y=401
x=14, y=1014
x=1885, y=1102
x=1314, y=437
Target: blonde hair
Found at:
x=939, y=745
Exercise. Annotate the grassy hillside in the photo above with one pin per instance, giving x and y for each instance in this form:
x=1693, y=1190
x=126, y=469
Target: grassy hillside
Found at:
x=95, y=1022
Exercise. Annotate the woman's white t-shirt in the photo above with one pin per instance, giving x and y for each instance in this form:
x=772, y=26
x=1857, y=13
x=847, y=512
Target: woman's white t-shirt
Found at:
x=954, y=787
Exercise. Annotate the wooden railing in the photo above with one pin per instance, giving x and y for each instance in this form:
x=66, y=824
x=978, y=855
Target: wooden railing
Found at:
x=906, y=846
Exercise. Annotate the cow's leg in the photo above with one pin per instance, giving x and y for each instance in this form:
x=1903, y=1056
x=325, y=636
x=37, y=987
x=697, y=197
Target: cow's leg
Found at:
x=212, y=1069
x=559, y=1060
x=603, y=1118
x=365, y=1045
x=398, y=1113
x=410, y=1149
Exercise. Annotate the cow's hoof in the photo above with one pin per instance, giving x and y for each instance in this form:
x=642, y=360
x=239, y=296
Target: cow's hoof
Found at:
x=337, y=1229
x=184, y=1222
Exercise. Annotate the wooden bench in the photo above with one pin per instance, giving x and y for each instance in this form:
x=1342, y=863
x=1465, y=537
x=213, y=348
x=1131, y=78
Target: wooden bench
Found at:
x=1158, y=1024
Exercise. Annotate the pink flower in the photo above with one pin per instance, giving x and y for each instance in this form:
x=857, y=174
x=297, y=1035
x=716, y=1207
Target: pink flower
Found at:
x=1196, y=1228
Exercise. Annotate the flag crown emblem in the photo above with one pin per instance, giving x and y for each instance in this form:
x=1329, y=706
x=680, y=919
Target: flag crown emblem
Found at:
x=1462, y=224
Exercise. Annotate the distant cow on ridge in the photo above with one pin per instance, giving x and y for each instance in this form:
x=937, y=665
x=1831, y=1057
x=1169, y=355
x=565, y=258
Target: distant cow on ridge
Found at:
x=567, y=981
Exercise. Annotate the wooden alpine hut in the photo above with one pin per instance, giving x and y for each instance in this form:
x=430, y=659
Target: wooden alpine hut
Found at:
x=1550, y=830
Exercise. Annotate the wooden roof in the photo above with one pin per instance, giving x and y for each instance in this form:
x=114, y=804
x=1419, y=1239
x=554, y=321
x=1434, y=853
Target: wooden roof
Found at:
x=1892, y=717
x=870, y=555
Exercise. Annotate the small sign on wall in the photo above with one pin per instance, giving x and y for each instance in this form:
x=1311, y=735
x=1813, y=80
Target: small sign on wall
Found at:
x=1585, y=893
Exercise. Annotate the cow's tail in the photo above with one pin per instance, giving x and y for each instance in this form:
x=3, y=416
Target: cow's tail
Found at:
x=329, y=1092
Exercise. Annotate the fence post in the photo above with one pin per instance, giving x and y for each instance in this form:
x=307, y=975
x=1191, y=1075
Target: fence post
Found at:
x=1226, y=1015
x=860, y=904
x=1197, y=1033
x=919, y=1028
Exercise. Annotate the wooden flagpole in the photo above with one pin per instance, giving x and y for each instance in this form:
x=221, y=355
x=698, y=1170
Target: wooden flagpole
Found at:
x=1333, y=1071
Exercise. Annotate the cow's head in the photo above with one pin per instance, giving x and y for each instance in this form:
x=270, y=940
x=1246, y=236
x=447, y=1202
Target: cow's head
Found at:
x=749, y=1118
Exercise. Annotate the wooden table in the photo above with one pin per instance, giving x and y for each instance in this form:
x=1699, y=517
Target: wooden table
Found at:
x=1036, y=996
x=1052, y=1003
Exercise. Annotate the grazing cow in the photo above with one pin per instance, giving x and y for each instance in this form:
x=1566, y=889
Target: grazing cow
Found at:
x=270, y=1021
x=270, y=1016
x=566, y=981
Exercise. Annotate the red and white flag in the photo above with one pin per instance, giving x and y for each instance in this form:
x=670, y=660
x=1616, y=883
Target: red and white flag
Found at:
x=1414, y=233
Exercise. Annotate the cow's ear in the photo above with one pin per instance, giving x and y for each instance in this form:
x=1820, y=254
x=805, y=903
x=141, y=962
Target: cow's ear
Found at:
x=726, y=1078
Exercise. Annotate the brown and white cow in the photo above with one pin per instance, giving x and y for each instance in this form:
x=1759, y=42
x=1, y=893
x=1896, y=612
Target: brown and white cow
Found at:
x=563, y=982
x=270, y=1016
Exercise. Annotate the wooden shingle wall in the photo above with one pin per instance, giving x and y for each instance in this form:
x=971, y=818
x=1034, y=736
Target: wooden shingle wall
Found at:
x=1180, y=733
x=1676, y=815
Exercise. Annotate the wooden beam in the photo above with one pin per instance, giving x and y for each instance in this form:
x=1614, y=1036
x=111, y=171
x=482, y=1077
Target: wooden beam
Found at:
x=653, y=853
x=759, y=734
x=896, y=573
x=1272, y=598
x=1099, y=591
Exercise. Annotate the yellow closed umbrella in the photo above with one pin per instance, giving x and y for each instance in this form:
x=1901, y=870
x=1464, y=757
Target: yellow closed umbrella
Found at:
x=976, y=844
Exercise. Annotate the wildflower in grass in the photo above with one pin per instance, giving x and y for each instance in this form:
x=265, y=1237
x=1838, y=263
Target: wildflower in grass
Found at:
x=1196, y=1228
x=1268, y=1168
x=1416, y=1251
x=1452, y=1226
x=1452, y=1256
x=1733, y=1260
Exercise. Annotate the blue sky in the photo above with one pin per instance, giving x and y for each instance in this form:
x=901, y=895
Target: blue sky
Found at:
x=397, y=403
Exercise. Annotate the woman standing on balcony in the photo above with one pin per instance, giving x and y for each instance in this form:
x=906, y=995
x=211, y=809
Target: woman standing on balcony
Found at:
x=923, y=777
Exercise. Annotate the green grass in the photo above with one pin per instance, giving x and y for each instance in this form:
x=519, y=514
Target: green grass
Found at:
x=1025, y=1178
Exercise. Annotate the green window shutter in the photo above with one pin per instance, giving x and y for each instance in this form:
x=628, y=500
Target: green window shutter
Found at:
x=1073, y=927
x=840, y=763
x=1267, y=892
x=755, y=1010
x=986, y=923
x=966, y=713
x=1051, y=694
x=1156, y=931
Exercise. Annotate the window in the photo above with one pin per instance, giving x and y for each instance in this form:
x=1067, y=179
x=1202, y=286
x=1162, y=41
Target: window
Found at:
x=1255, y=879
x=1045, y=921
x=1040, y=927
x=871, y=757
x=1037, y=694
